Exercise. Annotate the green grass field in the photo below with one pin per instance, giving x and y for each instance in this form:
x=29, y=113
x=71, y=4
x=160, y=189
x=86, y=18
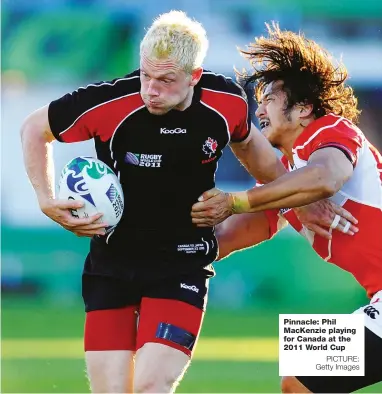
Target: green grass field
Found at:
x=42, y=352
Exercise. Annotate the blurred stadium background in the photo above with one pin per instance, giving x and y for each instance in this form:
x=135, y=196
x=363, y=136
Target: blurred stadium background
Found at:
x=51, y=47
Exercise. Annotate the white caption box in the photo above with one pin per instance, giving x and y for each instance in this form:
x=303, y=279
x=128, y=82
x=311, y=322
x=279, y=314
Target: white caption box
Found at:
x=321, y=345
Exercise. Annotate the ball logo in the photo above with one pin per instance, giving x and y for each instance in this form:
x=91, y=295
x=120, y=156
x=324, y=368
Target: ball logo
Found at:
x=97, y=170
x=73, y=211
x=115, y=199
x=93, y=182
x=112, y=193
x=75, y=180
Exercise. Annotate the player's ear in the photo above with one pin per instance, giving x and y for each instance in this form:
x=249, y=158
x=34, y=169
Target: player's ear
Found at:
x=196, y=75
x=305, y=110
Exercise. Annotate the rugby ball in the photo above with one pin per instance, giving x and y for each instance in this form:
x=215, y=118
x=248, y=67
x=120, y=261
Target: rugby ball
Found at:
x=92, y=182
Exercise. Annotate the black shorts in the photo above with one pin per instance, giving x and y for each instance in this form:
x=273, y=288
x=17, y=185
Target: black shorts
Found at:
x=110, y=292
x=348, y=384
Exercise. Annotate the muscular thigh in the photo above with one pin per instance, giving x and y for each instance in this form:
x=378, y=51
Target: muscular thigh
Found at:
x=110, y=341
x=171, y=312
x=111, y=306
x=111, y=329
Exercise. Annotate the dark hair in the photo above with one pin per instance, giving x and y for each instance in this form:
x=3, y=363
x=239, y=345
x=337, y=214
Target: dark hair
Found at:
x=308, y=73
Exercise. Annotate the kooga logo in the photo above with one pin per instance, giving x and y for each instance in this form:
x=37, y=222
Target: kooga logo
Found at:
x=178, y=130
x=193, y=287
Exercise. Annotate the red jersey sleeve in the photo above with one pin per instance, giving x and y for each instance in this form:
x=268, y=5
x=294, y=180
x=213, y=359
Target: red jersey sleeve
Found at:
x=330, y=131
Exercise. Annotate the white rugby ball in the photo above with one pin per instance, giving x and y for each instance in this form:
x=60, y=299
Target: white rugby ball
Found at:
x=92, y=182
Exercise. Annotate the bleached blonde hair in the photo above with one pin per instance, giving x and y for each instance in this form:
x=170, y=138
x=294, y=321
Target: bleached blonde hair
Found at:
x=177, y=37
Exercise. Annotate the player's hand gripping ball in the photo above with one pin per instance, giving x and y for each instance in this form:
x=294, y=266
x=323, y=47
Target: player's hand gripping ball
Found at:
x=92, y=182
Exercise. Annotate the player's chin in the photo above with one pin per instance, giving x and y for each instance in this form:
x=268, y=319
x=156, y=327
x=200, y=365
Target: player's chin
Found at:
x=157, y=111
x=269, y=135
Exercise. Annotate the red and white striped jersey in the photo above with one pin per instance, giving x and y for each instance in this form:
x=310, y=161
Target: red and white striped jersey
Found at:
x=361, y=195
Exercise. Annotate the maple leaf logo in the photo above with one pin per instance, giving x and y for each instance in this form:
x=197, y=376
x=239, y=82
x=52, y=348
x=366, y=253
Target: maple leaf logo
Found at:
x=210, y=146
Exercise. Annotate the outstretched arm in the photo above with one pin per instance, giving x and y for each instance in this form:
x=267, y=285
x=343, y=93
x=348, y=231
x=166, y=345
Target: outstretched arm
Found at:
x=325, y=174
x=327, y=170
x=242, y=231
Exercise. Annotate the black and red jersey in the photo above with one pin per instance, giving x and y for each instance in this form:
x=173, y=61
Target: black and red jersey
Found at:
x=165, y=162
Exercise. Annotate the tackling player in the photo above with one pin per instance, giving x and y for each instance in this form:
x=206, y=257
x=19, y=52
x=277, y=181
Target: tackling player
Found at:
x=306, y=110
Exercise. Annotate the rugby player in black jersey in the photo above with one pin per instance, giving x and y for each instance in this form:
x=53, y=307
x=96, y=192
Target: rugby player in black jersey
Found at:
x=162, y=128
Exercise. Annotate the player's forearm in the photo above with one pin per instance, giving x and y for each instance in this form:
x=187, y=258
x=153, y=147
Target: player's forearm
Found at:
x=297, y=188
x=296, y=200
x=239, y=232
x=38, y=159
